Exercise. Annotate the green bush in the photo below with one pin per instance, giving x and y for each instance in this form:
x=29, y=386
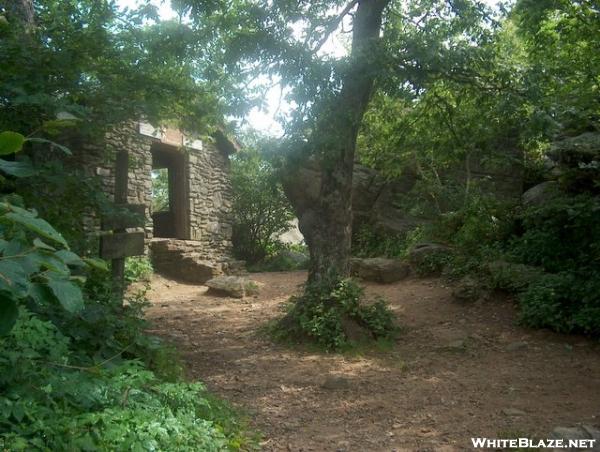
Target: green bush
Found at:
x=561, y=234
x=261, y=211
x=287, y=258
x=367, y=242
x=565, y=302
x=113, y=405
x=327, y=312
x=138, y=268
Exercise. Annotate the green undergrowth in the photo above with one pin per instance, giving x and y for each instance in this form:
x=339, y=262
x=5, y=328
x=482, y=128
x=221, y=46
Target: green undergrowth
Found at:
x=51, y=400
x=138, y=268
x=334, y=316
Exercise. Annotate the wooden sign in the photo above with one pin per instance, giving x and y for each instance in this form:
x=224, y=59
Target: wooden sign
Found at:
x=122, y=244
x=133, y=217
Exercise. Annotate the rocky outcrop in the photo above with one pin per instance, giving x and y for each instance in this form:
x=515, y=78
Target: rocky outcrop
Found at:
x=540, y=194
x=379, y=269
x=374, y=201
x=232, y=286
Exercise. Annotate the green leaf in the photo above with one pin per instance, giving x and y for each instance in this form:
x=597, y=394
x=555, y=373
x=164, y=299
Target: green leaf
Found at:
x=38, y=243
x=96, y=263
x=68, y=294
x=11, y=142
x=40, y=293
x=37, y=225
x=70, y=258
x=64, y=149
x=22, y=168
x=13, y=278
x=54, y=264
x=8, y=314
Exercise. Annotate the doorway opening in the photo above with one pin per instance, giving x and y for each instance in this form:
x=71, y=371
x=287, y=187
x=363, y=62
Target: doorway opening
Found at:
x=169, y=194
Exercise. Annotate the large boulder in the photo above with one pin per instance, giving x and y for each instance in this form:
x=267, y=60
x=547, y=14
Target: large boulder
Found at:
x=540, y=194
x=428, y=258
x=232, y=286
x=379, y=269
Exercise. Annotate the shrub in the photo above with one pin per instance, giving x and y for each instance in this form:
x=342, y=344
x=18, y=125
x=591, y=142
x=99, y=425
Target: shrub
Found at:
x=559, y=235
x=261, y=211
x=565, y=302
x=138, y=268
x=367, y=242
x=333, y=315
x=116, y=404
x=287, y=258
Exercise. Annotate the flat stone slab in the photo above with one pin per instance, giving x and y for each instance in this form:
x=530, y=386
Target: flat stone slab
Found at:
x=379, y=269
x=232, y=286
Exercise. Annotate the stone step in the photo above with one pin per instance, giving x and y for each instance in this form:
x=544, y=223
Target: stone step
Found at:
x=181, y=261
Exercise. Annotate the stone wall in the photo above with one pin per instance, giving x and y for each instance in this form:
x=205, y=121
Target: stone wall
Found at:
x=210, y=201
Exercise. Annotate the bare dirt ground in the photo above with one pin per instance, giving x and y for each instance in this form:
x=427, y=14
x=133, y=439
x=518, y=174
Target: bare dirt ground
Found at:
x=458, y=371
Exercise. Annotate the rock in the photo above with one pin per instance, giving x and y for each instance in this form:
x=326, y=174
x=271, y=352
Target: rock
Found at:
x=336, y=383
x=467, y=289
x=422, y=256
x=540, y=194
x=572, y=151
x=379, y=269
x=587, y=432
x=516, y=346
x=457, y=345
x=513, y=412
x=568, y=433
x=355, y=332
x=292, y=235
x=395, y=223
x=233, y=286
x=179, y=259
x=374, y=197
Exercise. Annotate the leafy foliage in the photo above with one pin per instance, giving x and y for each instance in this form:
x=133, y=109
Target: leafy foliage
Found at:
x=109, y=405
x=367, y=242
x=330, y=313
x=138, y=268
x=160, y=190
x=562, y=237
x=88, y=64
x=261, y=210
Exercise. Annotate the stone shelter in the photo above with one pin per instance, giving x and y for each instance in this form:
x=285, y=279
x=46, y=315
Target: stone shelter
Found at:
x=190, y=239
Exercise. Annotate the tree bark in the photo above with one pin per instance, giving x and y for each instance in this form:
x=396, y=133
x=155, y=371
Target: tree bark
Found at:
x=324, y=208
x=22, y=10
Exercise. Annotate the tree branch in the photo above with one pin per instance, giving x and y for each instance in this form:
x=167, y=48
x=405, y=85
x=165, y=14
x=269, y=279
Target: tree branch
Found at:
x=334, y=25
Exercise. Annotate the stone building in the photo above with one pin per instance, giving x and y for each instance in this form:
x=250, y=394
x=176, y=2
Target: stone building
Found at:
x=191, y=239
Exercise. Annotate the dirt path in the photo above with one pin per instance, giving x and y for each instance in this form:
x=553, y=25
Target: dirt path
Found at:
x=457, y=372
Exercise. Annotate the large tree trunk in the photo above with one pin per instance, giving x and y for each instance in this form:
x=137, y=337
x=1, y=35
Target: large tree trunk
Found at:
x=324, y=204
x=22, y=10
